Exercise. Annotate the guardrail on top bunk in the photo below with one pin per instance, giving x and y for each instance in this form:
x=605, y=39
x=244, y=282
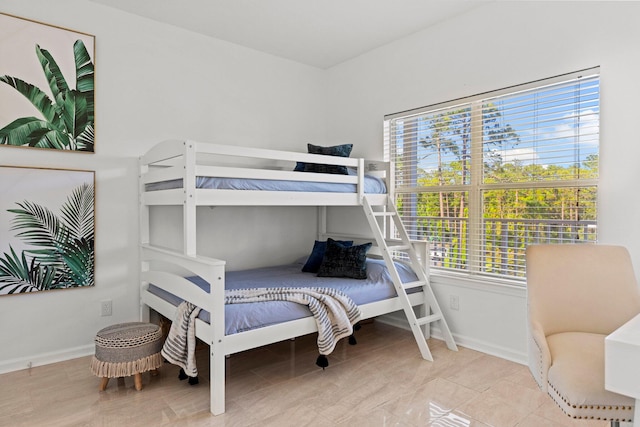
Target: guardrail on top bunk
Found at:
x=183, y=161
x=176, y=159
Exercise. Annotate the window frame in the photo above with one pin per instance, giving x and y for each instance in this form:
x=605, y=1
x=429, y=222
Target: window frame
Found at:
x=476, y=186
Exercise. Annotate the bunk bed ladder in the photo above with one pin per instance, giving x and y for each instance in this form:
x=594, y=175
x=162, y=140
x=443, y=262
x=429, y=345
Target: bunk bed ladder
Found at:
x=430, y=311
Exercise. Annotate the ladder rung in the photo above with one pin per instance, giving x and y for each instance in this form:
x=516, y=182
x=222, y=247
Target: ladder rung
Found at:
x=429, y=319
x=411, y=285
x=385, y=213
x=399, y=248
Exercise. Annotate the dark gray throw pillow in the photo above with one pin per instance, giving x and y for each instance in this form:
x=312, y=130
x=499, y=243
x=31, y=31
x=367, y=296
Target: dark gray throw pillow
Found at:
x=317, y=254
x=344, y=261
x=343, y=150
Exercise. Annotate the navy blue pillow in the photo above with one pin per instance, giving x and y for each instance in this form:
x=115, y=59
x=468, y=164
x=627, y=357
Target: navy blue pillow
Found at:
x=344, y=261
x=317, y=253
x=343, y=150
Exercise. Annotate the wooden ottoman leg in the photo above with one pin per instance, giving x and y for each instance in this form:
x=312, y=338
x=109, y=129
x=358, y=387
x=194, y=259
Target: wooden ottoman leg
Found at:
x=137, y=379
x=103, y=383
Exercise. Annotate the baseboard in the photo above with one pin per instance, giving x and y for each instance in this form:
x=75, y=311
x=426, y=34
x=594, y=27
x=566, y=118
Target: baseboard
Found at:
x=45, y=358
x=463, y=341
x=484, y=347
x=397, y=321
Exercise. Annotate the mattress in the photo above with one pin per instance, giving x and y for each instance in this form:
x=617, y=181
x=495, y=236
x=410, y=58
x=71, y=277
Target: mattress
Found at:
x=372, y=185
x=243, y=317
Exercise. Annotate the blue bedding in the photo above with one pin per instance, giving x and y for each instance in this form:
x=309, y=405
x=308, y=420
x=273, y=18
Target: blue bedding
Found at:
x=372, y=185
x=242, y=317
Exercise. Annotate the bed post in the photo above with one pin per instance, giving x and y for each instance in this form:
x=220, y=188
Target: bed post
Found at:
x=144, y=236
x=143, y=208
x=217, y=352
x=360, y=187
x=322, y=223
x=189, y=208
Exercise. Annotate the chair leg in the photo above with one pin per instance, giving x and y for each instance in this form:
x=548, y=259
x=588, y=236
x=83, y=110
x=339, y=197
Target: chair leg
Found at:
x=615, y=423
x=137, y=379
x=103, y=383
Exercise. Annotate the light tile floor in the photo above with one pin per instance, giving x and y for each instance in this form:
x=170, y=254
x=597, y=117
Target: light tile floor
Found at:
x=381, y=381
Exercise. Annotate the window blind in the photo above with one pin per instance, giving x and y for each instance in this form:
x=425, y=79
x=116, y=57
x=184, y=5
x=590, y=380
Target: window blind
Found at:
x=485, y=176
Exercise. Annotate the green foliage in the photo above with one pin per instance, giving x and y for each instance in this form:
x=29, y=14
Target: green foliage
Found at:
x=19, y=276
x=511, y=218
x=63, y=247
x=67, y=121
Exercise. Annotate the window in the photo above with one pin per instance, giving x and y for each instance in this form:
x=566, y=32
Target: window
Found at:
x=485, y=176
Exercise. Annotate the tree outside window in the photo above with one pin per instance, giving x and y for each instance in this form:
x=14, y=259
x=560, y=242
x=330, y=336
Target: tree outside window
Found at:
x=483, y=177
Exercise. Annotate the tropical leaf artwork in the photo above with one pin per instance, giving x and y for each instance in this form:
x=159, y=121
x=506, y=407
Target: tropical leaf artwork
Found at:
x=61, y=247
x=67, y=114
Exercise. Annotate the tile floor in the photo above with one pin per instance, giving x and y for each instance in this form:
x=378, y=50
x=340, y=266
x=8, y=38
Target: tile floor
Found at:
x=381, y=381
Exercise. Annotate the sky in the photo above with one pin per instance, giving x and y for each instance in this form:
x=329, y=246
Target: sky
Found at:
x=556, y=124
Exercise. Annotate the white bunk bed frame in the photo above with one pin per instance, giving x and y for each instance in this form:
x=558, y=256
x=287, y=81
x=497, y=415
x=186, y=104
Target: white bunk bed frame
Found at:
x=167, y=269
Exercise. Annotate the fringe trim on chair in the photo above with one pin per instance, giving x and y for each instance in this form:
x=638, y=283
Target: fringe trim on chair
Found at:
x=125, y=369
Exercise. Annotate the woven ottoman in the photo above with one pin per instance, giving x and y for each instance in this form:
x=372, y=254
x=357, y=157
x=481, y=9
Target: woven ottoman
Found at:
x=127, y=349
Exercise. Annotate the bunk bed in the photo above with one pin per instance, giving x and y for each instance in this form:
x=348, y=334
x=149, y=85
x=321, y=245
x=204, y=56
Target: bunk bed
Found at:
x=193, y=174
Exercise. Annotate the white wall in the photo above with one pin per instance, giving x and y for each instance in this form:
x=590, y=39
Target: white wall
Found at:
x=156, y=82
x=491, y=47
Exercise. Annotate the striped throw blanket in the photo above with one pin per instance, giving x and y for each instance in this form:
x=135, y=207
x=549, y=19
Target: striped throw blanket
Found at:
x=335, y=313
x=180, y=345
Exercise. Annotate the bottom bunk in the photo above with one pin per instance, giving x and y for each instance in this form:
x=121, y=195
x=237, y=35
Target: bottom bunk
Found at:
x=169, y=278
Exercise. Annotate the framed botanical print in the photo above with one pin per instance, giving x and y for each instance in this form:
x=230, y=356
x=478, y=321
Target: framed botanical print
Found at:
x=47, y=229
x=46, y=86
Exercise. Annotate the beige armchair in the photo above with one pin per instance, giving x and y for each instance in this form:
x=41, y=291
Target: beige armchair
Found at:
x=577, y=295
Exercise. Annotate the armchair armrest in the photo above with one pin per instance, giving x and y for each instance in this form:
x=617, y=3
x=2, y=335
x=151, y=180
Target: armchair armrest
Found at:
x=539, y=355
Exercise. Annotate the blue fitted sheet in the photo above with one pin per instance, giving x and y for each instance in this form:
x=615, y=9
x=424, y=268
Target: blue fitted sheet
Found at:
x=242, y=317
x=372, y=185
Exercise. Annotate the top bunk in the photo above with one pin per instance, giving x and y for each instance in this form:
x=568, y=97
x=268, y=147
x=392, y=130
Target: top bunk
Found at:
x=184, y=172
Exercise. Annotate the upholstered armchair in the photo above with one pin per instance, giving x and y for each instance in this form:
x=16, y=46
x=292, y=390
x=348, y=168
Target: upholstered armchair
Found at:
x=577, y=295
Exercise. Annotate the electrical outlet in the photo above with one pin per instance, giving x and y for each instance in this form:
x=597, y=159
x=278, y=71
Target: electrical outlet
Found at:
x=454, y=302
x=105, y=308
